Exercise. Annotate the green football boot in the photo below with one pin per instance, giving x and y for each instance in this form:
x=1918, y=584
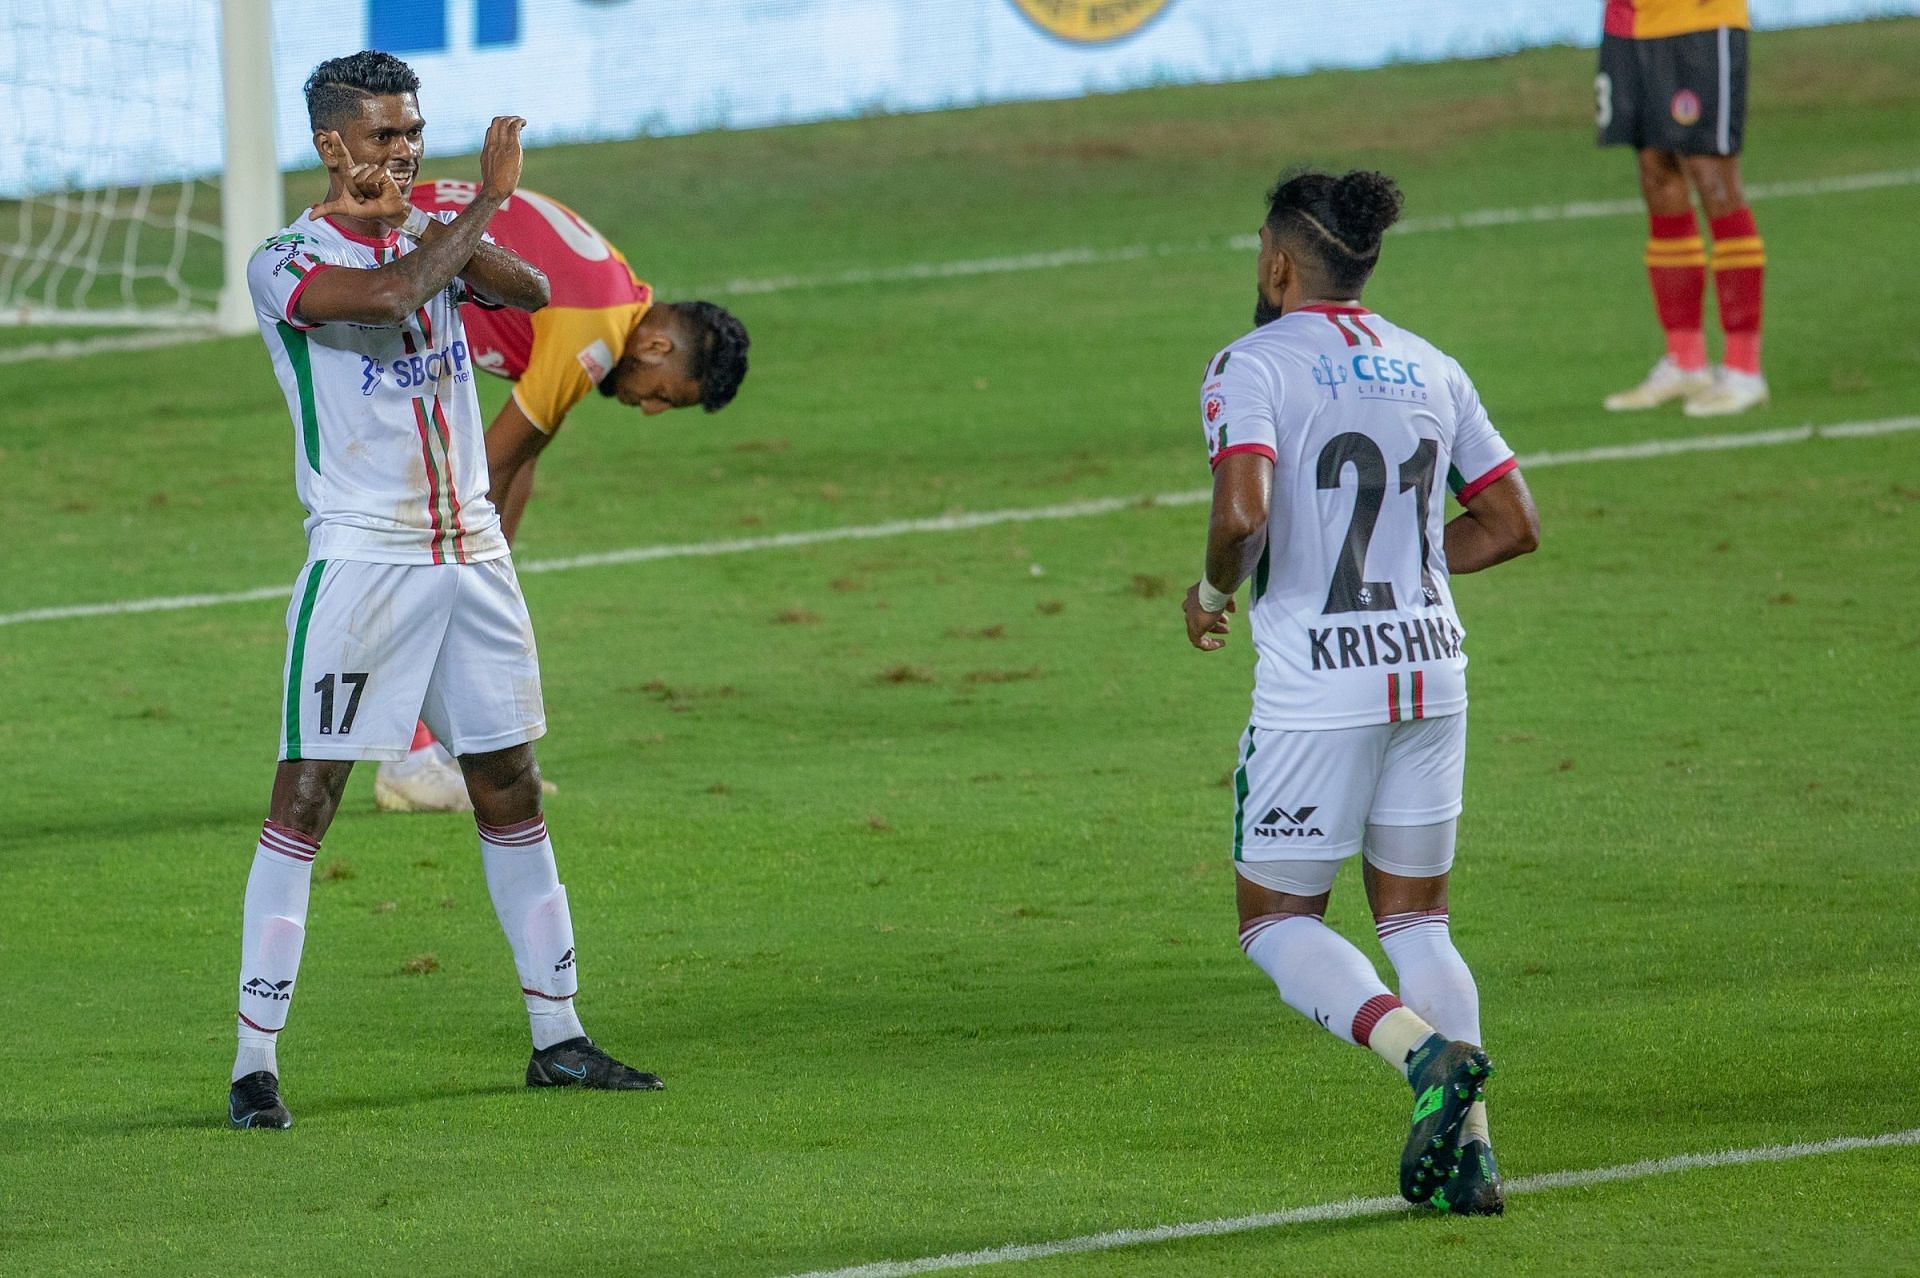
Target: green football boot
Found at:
x=1447, y=1077
x=1474, y=1188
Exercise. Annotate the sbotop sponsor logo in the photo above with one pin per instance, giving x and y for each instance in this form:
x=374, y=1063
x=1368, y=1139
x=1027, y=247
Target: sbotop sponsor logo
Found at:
x=432, y=366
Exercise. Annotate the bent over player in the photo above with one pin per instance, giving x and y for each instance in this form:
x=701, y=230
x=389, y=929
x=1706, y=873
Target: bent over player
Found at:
x=1331, y=430
x=408, y=606
x=603, y=330
x=1673, y=85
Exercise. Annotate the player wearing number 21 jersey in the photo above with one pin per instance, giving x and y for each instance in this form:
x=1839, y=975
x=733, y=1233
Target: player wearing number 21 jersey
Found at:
x=1335, y=436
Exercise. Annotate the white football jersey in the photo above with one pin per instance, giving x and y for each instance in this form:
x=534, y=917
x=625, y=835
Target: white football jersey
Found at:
x=1353, y=622
x=390, y=458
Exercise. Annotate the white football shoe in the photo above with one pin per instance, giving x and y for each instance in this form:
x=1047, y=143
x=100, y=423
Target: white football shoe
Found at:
x=1732, y=392
x=1666, y=383
x=425, y=781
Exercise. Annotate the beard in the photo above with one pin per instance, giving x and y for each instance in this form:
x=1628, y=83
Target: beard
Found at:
x=1264, y=312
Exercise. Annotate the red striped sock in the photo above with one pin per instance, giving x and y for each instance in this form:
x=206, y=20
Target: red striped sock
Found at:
x=1369, y=1016
x=1677, y=269
x=1739, y=280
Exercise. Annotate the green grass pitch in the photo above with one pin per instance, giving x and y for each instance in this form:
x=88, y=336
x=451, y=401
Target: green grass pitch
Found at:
x=905, y=861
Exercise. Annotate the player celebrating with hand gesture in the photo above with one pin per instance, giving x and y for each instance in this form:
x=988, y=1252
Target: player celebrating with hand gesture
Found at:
x=408, y=606
x=1330, y=430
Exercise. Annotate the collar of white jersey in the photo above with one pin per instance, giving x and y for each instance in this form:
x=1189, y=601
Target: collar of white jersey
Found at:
x=391, y=238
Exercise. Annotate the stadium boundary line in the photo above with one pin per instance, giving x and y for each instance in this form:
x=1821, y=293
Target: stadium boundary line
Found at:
x=1355, y=1208
x=965, y=520
x=1087, y=255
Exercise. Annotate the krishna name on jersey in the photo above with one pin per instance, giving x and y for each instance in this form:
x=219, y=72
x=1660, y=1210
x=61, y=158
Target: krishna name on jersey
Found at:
x=558, y=354
x=1656, y=19
x=1353, y=621
x=389, y=456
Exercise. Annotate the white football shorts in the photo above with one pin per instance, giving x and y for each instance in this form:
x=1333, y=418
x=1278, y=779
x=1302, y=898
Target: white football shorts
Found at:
x=1310, y=795
x=373, y=647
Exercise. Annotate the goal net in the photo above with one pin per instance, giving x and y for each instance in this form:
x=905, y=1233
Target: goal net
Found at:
x=118, y=183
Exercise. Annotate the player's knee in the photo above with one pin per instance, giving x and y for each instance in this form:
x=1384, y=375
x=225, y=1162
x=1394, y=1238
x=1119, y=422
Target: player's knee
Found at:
x=503, y=784
x=1662, y=181
x=306, y=793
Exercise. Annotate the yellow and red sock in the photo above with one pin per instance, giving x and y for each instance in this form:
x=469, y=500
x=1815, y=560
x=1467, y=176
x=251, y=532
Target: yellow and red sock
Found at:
x=1739, y=280
x=1677, y=269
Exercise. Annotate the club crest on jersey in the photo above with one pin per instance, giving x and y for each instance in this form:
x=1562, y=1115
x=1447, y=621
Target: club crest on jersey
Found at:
x=1686, y=108
x=1214, y=408
x=1330, y=376
x=597, y=359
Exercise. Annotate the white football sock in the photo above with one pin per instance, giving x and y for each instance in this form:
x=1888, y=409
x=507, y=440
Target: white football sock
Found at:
x=273, y=929
x=1434, y=980
x=532, y=908
x=1319, y=972
x=1436, y=983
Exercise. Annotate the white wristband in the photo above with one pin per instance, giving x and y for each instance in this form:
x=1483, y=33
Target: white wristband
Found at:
x=416, y=224
x=1210, y=599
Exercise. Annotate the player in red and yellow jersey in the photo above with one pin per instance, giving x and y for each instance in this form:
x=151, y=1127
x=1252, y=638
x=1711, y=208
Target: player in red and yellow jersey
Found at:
x=601, y=331
x=1673, y=85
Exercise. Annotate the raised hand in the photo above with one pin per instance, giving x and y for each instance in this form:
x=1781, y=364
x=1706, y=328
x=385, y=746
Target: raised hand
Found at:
x=366, y=190
x=500, y=157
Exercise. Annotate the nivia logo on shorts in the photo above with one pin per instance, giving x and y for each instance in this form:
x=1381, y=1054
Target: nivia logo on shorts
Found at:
x=1279, y=823
x=273, y=991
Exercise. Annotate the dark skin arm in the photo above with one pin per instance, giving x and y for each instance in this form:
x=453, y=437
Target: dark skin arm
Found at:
x=384, y=296
x=1236, y=537
x=1499, y=524
x=498, y=274
x=513, y=445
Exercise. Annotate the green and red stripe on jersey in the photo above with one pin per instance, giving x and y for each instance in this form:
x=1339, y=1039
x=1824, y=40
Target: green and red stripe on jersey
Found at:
x=443, y=503
x=1406, y=696
x=1464, y=492
x=1348, y=320
x=304, y=274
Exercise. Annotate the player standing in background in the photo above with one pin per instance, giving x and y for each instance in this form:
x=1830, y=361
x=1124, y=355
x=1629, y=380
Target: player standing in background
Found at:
x=1673, y=84
x=602, y=330
x=408, y=604
x=1330, y=430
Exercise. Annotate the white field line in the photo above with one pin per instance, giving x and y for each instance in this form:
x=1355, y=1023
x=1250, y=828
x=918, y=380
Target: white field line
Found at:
x=70, y=348
x=1086, y=255
x=963, y=521
x=1352, y=1208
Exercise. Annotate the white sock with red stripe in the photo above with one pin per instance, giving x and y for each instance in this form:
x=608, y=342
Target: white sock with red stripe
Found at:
x=1322, y=975
x=532, y=908
x=271, y=934
x=1435, y=982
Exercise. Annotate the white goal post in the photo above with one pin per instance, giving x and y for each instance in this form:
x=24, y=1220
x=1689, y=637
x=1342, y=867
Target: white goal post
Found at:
x=109, y=213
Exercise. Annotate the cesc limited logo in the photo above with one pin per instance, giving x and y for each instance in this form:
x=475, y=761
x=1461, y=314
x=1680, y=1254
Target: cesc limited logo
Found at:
x=1091, y=21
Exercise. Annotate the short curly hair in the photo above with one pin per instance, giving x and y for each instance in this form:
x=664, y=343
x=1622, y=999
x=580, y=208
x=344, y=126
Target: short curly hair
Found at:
x=1339, y=219
x=717, y=351
x=338, y=86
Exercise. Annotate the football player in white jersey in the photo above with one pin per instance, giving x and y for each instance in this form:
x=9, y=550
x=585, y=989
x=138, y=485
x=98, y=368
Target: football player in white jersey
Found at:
x=1330, y=430
x=408, y=606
